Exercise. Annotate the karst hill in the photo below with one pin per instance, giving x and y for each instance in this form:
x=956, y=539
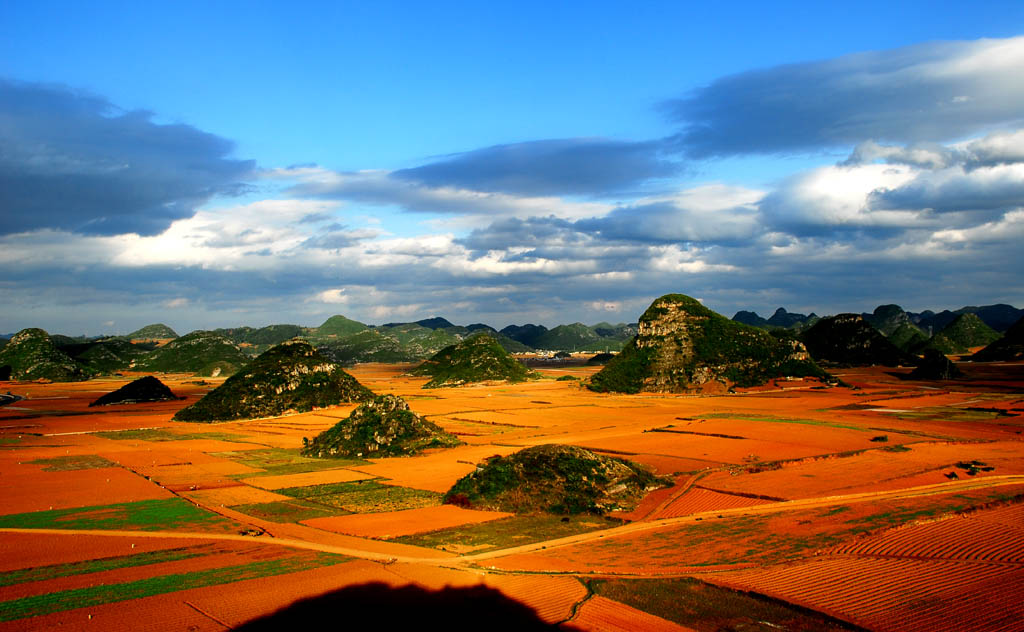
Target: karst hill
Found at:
x=200, y=352
x=966, y=331
x=32, y=355
x=554, y=478
x=143, y=390
x=848, y=340
x=382, y=426
x=682, y=346
x=479, y=358
x=290, y=376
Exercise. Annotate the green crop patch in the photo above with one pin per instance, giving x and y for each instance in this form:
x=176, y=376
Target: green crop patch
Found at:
x=144, y=515
x=786, y=420
x=364, y=496
x=288, y=510
x=277, y=461
x=55, y=571
x=71, y=463
x=708, y=608
x=508, y=532
x=38, y=605
x=159, y=434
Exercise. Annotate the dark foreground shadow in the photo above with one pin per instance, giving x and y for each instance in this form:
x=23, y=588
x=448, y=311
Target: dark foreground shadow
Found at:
x=379, y=606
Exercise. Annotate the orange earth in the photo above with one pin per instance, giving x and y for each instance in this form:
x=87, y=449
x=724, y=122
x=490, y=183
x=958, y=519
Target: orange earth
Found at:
x=891, y=504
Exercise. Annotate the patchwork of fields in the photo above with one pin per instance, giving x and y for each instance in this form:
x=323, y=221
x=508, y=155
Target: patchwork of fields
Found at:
x=889, y=504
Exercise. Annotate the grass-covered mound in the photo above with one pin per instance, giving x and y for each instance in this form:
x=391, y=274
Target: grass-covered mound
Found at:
x=848, y=340
x=201, y=352
x=338, y=327
x=156, y=331
x=600, y=359
x=908, y=337
x=144, y=389
x=290, y=376
x=32, y=355
x=553, y=478
x=382, y=426
x=682, y=346
x=1009, y=348
x=966, y=331
x=935, y=366
x=479, y=358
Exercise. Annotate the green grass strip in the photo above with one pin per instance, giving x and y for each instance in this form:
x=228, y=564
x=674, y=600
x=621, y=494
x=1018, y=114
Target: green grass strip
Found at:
x=55, y=571
x=806, y=422
x=144, y=515
x=38, y=605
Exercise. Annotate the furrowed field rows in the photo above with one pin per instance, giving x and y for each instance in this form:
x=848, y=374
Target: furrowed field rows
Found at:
x=697, y=500
x=987, y=536
x=885, y=594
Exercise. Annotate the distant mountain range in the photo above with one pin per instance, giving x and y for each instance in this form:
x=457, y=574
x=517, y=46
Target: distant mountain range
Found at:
x=157, y=347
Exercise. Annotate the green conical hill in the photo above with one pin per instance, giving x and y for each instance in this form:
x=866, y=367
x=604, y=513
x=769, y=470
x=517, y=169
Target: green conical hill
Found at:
x=32, y=355
x=382, y=426
x=560, y=479
x=157, y=331
x=107, y=356
x=683, y=346
x=339, y=327
x=966, y=331
x=476, y=359
x=908, y=337
x=290, y=376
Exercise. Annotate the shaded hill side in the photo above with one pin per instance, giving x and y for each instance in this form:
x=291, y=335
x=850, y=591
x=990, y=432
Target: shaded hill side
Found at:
x=144, y=389
x=935, y=366
x=561, y=479
x=1009, y=348
x=683, y=346
x=32, y=355
x=847, y=339
x=290, y=376
x=382, y=426
x=201, y=352
x=887, y=318
x=476, y=359
x=107, y=356
x=262, y=337
x=964, y=332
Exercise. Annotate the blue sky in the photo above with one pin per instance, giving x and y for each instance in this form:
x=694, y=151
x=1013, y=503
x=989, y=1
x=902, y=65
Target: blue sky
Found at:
x=217, y=164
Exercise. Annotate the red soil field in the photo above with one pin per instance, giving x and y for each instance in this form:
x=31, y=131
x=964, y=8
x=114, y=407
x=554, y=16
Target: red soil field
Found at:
x=598, y=613
x=928, y=569
x=892, y=594
x=398, y=523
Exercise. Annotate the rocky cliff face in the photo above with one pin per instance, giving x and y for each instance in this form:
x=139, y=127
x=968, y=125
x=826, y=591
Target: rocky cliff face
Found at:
x=682, y=346
x=290, y=376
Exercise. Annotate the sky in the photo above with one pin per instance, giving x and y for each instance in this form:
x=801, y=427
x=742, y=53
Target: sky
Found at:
x=247, y=163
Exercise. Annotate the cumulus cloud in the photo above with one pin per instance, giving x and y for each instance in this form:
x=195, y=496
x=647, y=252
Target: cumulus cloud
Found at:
x=74, y=162
x=930, y=92
x=572, y=166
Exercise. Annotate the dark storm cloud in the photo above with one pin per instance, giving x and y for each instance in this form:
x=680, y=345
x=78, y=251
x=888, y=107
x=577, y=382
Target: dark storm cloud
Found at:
x=574, y=166
x=73, y=162
x=926, y=92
